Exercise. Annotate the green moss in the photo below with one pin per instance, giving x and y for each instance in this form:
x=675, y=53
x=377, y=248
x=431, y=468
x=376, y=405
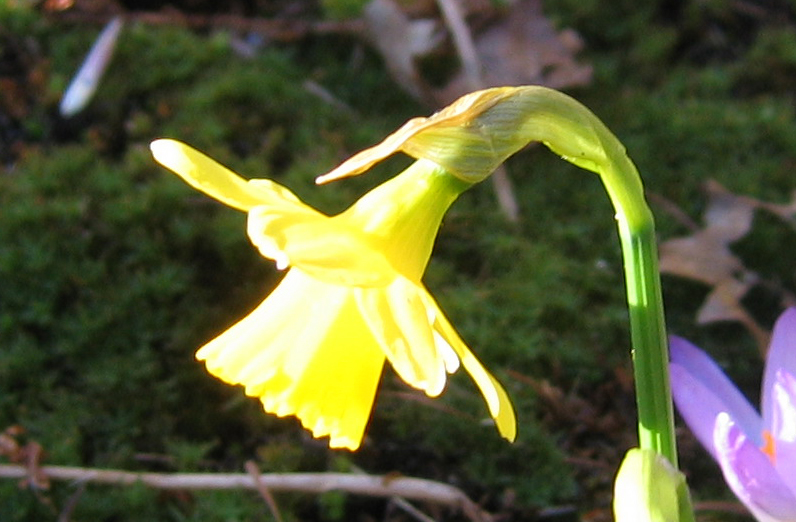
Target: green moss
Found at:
x=113, y=272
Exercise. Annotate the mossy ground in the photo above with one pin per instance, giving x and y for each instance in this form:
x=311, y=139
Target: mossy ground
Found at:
x=112, y=272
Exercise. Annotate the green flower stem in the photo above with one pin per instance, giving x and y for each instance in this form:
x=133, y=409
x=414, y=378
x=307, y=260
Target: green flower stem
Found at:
x=648, y=335
x=645, y=302
x=568, y=128
x=572, y=131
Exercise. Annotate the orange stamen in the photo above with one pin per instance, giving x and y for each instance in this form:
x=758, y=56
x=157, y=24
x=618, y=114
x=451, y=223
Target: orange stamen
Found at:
x=769, y=446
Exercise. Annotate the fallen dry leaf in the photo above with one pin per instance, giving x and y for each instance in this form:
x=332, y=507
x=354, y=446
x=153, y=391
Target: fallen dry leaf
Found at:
x=723, y=303
x=701, y=257
x=400, y=41
x=705, y=256
x=520, y=47
x=29, y=455
x=524, y=48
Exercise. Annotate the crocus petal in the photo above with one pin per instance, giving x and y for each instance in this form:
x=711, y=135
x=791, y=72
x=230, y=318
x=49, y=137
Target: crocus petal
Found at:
x=783, y=426
x=326, y=374
x=783, y=418
x=781, y=356
x=751, y=475
x=702, y=391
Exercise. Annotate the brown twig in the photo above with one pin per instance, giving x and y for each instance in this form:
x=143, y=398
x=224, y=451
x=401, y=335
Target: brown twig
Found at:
x=463, y=41
x=721, y=506
x=283, y=30
x=254, y=473
x=411, y=510
x=368, y=485
x=66, y=513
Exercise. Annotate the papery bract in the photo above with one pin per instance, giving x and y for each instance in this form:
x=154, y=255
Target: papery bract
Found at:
x=757, y=453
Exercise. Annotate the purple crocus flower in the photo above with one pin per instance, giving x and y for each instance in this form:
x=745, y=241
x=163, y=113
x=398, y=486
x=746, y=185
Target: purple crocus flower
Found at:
x=757, y=453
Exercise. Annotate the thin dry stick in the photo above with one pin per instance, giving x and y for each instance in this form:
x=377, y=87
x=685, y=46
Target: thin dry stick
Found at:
x=71, y=503
x=465, y=47
x=254, y=473
x=411, y=510
x=463, y=41
x=369, y=485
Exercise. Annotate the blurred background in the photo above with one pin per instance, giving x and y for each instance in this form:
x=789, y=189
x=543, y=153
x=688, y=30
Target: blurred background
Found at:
x=113, y=272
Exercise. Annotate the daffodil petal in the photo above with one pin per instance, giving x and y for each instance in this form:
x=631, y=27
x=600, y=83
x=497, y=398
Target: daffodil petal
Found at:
x=750, y=474
x=207, y=175
x=228, y=353
x=320, y=246
x=497, y=400
x=400, y=322
x=325, y=373
x=449, y=357
x=275, y=338
x=334, y=392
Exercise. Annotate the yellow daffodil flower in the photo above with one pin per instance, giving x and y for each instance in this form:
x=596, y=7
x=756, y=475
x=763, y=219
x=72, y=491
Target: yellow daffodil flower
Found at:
x=351, y=299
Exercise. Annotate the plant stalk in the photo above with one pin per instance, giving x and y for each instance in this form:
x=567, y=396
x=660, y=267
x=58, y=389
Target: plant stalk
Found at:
x=648, y=336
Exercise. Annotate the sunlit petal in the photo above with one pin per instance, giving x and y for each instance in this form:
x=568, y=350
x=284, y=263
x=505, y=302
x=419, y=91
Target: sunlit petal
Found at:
x=322, y=248
x=449, y=356
x=399, y=320
x=783, y=418
x=333, y=394
x=781, y=356
x=497, y=400
x=701, y=391
x=783, y=426
x=212, y=178
x=751, y=475
x=402, y=216
x=325, y=375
